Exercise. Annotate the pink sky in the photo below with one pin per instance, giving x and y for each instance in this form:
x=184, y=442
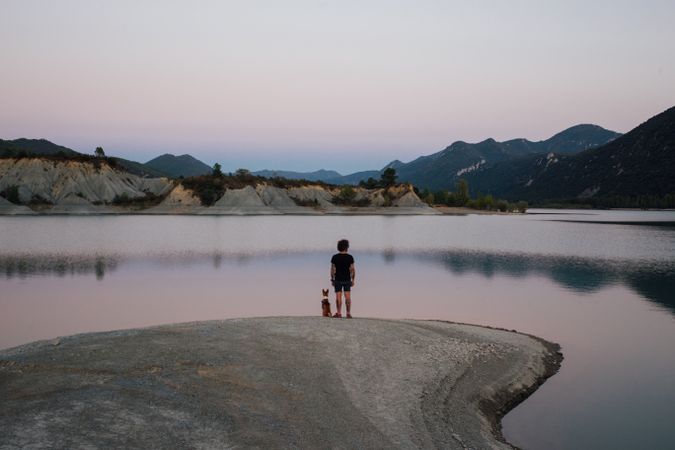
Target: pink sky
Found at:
x=304, y=85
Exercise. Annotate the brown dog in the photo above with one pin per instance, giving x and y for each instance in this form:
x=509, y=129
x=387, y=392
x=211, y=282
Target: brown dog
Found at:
x=325, y=304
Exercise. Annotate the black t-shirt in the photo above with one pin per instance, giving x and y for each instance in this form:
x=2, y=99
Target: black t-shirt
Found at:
x=342, y=262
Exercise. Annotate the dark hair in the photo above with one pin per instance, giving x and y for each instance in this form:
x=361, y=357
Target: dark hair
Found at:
x=343, y=245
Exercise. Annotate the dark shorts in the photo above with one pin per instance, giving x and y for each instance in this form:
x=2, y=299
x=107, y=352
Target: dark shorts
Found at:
x=342, y=285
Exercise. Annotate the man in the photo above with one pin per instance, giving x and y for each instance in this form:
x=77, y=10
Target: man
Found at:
x=342, y=275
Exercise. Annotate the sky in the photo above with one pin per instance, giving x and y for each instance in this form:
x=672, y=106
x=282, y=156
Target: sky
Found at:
x=344, y=85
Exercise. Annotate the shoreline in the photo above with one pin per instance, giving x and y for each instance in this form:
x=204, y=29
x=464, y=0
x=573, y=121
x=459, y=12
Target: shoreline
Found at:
x=299, y=211
x=282, y=381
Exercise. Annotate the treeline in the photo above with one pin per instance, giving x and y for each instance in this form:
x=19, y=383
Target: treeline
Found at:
x=209, y=188
x=666, y=201
x=387, y=179
x=462, y=198
x=96, y=159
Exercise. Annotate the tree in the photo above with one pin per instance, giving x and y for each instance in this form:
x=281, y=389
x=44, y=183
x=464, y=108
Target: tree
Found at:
x=99, y=153
x=521, y=206
x=462, y=192
x=489, y=201
x=347, y=195
x=243, y=173
x=370, y=183
x=388, y=177
x=217, y=170
x=441, y=197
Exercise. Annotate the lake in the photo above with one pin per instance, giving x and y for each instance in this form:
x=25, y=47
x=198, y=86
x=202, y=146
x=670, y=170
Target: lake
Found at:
x=601, y=284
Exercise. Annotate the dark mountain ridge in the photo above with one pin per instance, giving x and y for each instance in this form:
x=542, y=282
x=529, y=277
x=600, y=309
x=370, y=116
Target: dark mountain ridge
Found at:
x=441, y=170
x=43, y=147
x=639, y=163
x=177, y=166
x=16, y=147
x=317, y=175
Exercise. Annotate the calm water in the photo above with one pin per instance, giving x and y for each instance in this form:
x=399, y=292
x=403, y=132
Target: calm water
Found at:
x=600, y=284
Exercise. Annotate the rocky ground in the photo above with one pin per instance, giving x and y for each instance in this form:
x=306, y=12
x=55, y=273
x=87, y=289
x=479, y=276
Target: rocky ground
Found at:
x=271, y=383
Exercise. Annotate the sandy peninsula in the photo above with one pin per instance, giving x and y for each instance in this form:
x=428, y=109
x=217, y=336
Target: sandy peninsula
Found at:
x=271, y=383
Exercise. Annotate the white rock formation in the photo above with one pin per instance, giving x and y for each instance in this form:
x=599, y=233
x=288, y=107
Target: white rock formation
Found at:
x=54, y=181
x=241, y=201
x=9, y=208
x=409, y=200
x=318, y=194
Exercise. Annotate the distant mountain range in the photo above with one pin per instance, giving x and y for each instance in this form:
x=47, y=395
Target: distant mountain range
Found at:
x=639, y=163
x=40, y=147
x=33, y=146
x=581, y=162
x=441, y=170
x=178, y=166
x=318, y=175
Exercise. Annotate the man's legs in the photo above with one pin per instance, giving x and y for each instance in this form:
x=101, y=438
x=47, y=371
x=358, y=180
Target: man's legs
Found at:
x=338, y=302
x=348, y=303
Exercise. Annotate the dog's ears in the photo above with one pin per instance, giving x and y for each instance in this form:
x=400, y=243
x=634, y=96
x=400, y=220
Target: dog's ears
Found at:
x=324, y=291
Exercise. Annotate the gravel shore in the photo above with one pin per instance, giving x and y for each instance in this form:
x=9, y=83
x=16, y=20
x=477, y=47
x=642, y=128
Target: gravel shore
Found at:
x=300, y=382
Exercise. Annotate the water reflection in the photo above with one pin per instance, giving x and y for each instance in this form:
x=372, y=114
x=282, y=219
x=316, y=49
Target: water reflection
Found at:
x=60, y=266
x=654, y=281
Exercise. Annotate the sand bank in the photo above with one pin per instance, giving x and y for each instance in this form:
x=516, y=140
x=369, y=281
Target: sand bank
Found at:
x=271, y=383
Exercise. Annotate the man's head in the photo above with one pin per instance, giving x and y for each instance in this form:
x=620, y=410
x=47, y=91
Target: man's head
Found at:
x=343, y=245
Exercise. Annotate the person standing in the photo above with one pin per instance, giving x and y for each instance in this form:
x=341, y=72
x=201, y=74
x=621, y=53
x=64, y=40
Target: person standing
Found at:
x=342, y=276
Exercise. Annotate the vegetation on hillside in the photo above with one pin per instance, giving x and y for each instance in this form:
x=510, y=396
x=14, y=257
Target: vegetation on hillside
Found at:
x=178, y=166
x=209, y=188
x=11, y=194
x=147, y=201
x=349, y=197
x=666, y=201
x=461, y=198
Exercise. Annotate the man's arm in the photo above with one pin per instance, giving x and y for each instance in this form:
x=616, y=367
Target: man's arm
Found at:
x=332, y=272
x=352, y=273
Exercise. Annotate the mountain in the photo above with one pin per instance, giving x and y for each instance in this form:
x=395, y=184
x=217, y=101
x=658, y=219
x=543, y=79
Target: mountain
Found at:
x=43, y=147
x=354, y=178
x=441, y=170
x=139, y=169
x=177, y=166
x=74, y=181
x=33, y=147
x=318, y=175
x=639, y=163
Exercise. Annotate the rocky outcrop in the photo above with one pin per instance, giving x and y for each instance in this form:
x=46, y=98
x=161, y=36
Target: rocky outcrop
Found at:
x=409, y=200
x=179, y=201
x=312, y=199
x=94, y=187
x=74, y=204
x=313, y=194
x=271, y=383
x=241, y=201
x=10, y=209
x=59, y=181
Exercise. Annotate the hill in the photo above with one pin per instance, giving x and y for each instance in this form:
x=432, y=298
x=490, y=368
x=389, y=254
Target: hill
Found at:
x=629, y=169
x=441, y=170
x=42, y=147
x=139, y=169
x=84, y=181
x=319, y=175
x=33, y=147
x=177, y=166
